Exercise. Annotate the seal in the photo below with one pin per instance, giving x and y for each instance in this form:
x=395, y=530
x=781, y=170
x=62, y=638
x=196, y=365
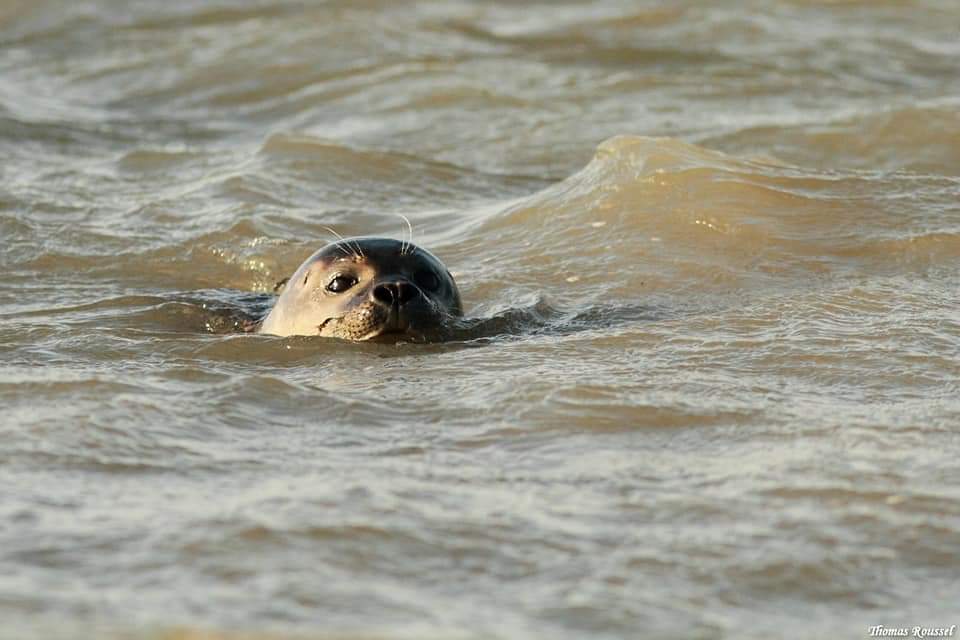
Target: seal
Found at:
x=364, y=288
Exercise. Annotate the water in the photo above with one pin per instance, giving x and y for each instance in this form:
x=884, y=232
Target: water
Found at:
x=714, y=248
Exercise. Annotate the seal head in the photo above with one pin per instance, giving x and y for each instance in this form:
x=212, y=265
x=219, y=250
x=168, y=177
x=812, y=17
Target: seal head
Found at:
x=364, y=288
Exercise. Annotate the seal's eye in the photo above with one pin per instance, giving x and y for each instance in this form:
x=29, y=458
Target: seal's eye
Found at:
x=341, y=283
x=427, y=280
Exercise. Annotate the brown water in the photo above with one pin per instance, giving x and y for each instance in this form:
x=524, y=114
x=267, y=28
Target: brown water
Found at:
x=718, y=245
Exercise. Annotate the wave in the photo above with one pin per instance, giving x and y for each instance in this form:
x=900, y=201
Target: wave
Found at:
x=653, y=214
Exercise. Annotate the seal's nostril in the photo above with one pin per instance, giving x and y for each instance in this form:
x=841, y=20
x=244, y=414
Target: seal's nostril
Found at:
x=406, y=292
x=385, y=293
x=395, y=293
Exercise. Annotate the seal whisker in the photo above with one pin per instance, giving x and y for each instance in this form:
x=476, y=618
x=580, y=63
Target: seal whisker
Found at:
x=359, y=249
x=405, y=246
x=344, y=250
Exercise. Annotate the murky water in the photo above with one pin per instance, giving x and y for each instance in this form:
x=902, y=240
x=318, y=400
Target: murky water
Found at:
x=716, y=247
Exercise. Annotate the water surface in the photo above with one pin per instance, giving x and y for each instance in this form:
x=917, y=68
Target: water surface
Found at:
x=715, y=245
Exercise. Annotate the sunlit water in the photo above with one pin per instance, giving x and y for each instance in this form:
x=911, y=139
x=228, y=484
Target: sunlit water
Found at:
x=714, y=248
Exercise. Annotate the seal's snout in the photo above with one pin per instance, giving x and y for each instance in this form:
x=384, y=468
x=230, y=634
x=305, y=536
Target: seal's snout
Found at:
x=397, y=293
